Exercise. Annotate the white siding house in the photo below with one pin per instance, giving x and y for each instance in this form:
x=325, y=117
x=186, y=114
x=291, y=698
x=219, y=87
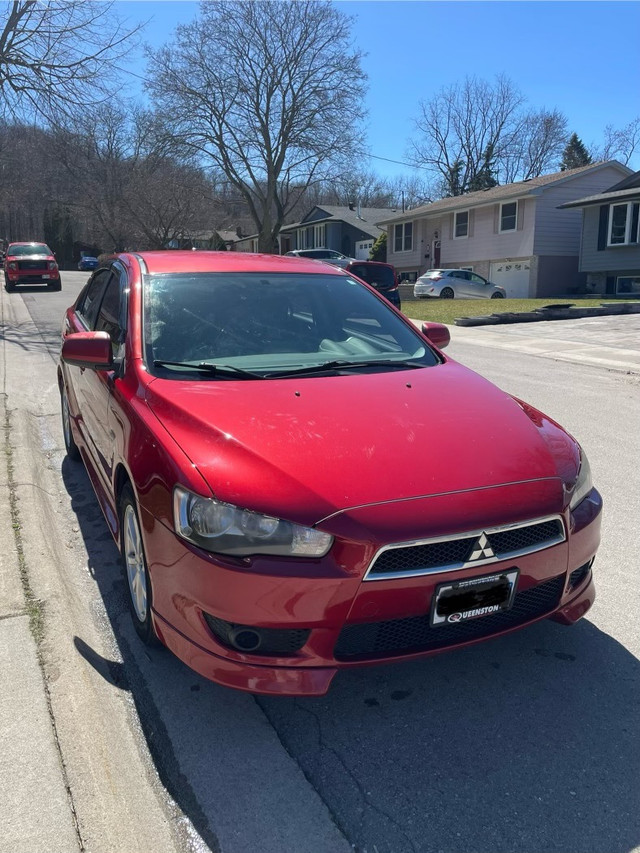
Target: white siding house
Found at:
x=513, y=234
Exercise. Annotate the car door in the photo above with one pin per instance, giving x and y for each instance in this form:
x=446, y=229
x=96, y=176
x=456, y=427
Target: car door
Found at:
x=112, y=318
x=83, y=319
x=478, y=286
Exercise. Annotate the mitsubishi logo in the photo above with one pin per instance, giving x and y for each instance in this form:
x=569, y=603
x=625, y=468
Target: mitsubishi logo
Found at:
x=482, y=550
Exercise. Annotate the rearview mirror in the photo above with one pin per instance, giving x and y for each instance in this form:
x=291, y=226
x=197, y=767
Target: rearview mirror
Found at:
x=91, y=350
x=437, y=333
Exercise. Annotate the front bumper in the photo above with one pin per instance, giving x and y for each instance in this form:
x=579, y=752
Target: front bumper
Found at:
x=329, y=599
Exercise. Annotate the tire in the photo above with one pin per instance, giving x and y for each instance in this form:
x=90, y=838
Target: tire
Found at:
x=497, y=296
x=69, y=444
x=57, y=285
x=134, y=564
x=8, y=286
x=446, y=293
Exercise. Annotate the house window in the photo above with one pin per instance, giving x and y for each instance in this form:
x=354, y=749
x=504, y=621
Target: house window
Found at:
x=628, y=284
x=508, y=216
x=403, y=237
x=461, y=224
x=623, y=223
x=319, y=236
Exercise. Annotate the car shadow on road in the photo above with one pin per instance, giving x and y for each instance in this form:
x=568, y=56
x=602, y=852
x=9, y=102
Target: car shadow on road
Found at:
x=524, y=743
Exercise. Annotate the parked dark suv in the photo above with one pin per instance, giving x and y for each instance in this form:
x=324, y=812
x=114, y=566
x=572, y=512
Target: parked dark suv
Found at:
x=31, y=263
x=381, y=276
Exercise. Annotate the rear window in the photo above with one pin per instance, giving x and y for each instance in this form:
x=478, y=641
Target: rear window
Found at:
x=381, y=276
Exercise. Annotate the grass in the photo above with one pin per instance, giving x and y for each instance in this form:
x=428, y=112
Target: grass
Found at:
x=446, y=310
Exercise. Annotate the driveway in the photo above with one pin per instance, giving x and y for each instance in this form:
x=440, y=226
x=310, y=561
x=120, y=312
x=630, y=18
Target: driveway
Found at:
x=609, y=342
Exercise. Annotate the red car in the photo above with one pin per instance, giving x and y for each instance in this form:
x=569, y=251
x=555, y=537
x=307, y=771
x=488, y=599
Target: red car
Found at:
x=31, y=263
x=299, y=480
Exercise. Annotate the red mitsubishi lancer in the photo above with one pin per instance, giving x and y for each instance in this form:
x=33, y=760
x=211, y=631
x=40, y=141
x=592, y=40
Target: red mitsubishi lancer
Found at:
x=261, y=434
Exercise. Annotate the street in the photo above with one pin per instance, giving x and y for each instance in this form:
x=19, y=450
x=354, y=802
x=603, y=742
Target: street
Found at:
x=524, y=743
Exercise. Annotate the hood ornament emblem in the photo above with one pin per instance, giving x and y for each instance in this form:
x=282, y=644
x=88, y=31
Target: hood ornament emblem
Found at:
x=482, y=550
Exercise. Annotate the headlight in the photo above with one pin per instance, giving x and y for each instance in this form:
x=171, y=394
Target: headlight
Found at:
x=583, y=484
x=52, y=265
x=227, y=529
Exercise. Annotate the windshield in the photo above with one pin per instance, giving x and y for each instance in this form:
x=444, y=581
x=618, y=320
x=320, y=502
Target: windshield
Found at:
x=31, y=249
x=269, y=324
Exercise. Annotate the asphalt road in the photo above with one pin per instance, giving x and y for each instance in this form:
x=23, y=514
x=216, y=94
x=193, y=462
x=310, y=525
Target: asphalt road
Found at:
x=521, y=744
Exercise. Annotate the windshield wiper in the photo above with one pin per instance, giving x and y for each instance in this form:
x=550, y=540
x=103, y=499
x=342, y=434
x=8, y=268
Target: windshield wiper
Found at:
x=212, y=369
x=328, y=366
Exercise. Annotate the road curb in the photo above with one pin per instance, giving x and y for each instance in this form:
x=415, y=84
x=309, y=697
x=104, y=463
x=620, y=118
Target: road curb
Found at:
x=550, y=313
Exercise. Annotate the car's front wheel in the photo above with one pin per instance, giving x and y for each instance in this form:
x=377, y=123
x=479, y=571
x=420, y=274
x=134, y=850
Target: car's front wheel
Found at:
x=69, y=444
x=135, y=568
x=446, y=293
x=56, y=285
x=497, y=296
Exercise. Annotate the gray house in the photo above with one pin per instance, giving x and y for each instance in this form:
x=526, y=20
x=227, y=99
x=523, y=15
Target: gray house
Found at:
x=351, y=230
x=514, y=234
x=610, y=249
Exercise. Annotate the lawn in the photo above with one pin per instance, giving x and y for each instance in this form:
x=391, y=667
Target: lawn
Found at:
x=446, y=310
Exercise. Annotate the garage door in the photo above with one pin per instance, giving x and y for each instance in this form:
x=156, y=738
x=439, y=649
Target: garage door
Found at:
x=513, y=276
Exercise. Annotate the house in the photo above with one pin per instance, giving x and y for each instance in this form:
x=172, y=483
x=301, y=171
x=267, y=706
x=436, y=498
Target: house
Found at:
x=610, y=248
x=514, y=234
x=350, y=230
x=216, y=239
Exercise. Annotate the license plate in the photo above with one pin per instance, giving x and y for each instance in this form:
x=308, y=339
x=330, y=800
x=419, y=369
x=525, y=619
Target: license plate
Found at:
x=463, y=601
x=46, y=275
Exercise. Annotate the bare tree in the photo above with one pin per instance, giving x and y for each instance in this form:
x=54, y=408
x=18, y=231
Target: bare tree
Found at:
x=58, y=55
x=475, y=133
x=126, y=181
x=536, y=147
x=460, y=125
x=269, y=93
x=620, y=144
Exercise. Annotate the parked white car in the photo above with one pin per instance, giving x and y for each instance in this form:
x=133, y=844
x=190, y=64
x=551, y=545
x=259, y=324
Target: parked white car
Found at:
x=456, y=283
x=329, y=256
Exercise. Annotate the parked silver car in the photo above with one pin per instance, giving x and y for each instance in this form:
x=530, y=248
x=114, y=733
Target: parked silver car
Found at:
x=329, y=256
x=458, y=284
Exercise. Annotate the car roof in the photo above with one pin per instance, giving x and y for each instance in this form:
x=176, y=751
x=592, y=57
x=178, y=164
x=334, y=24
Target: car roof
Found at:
x=29, y=243
x=177, y=261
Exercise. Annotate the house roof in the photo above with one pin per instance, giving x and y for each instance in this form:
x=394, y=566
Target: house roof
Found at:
x=625, y=189
x=501, y=193
x=365, y=219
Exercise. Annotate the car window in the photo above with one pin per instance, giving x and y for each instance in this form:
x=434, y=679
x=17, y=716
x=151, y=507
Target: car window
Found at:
x=33, y=249
x=269, y=322
x=477, y=279
x=90, y=303
x=112, y=314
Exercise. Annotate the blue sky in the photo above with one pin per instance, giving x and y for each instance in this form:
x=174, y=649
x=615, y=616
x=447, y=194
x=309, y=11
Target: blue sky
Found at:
x=580, y=57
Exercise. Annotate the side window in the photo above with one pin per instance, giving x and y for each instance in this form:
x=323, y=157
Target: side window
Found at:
x=88, y=307
x=112, y=315
x=477, y=279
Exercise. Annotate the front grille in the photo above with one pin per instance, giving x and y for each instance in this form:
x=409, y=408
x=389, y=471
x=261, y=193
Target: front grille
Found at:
x=455, y=552
x=32, y=265
x=273, y=641
x=404, y=636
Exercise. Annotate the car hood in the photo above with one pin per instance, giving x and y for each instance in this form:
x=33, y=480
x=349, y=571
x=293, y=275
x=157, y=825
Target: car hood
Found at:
x=306, y=448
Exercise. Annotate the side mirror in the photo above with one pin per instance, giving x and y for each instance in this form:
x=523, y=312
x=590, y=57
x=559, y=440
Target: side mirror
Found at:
x=437, y=333
x=91, y=350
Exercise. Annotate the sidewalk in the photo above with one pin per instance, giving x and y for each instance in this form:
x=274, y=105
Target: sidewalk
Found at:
x=611, y=342
x=35, y=809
